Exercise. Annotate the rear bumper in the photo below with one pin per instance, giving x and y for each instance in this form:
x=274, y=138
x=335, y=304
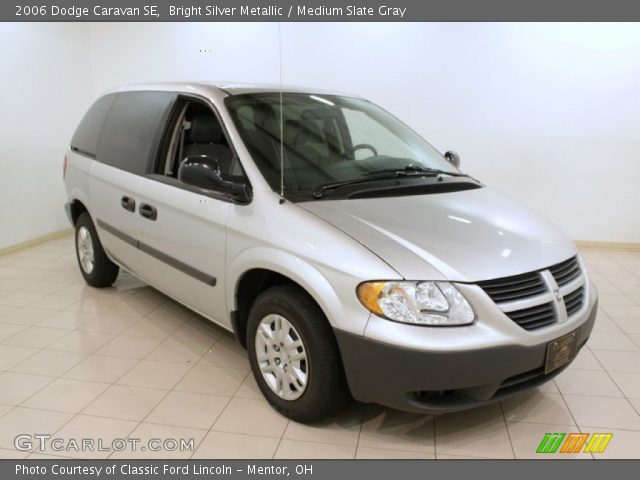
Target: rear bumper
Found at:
x=438, y=380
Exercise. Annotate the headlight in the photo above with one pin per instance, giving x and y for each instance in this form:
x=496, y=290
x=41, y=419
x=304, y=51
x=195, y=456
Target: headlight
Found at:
x=420, y=303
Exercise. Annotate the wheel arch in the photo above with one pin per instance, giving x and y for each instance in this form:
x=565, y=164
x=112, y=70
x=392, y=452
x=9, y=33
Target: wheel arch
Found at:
x=250, y=278
x=77, y=208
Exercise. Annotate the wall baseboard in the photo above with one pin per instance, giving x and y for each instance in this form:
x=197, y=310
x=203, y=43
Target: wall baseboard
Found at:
x=626, y=247
x=36, y=241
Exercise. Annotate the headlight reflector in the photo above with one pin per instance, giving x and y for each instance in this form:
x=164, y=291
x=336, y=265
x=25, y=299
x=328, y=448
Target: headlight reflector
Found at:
x=420, y=303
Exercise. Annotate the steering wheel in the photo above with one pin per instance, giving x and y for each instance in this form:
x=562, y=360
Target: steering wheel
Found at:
x=364, y=145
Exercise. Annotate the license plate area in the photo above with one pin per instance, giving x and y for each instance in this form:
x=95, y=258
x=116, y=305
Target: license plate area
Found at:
x=561, y=351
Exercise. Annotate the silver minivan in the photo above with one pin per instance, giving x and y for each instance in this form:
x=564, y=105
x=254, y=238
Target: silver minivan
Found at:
x=350, y=258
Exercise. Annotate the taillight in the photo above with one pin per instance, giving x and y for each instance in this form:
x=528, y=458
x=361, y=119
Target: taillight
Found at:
x=64, y=168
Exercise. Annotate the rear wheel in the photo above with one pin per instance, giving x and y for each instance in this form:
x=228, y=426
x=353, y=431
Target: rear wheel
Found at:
x=294, y=356
x=95, y=266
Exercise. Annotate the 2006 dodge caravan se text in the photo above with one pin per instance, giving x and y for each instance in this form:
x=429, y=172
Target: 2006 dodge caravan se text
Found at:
x=347, y=255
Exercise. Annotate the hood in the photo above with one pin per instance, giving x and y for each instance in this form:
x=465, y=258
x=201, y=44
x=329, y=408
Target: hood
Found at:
x=464, y=236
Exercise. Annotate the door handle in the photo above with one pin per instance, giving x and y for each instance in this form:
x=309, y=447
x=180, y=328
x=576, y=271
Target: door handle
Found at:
x=128, y=203
x=148, y=211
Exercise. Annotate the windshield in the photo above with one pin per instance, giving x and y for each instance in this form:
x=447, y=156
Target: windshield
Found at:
x=327, y=139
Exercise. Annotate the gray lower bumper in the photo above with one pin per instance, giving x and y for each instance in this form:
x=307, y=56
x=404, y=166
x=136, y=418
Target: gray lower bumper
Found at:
x=440, y=381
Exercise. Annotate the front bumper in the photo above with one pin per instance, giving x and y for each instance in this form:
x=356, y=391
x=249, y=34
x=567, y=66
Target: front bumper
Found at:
x=441, y=380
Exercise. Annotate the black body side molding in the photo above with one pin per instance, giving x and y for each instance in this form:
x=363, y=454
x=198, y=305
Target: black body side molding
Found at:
x=157, y=254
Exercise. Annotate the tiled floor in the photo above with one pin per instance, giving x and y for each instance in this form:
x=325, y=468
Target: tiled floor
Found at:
x=77, y=362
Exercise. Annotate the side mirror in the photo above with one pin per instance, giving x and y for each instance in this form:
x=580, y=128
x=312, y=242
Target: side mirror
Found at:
x=203, y=171
x=453, y=158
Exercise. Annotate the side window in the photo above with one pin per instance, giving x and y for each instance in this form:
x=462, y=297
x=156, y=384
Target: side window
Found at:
x=85, y=139
x=197, y=132
x=133, y=130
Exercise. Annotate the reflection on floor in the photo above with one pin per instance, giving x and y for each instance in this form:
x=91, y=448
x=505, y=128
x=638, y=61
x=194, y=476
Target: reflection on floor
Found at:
x=127, y=362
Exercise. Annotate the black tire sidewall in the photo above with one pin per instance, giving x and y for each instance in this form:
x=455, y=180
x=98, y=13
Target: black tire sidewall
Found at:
x=325, y=377
x=104, y=271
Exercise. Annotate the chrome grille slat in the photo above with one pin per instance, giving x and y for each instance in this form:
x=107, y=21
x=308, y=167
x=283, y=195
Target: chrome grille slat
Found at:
x=574, y=301
x=559, y=272
x=534, y=317
x=537, y=299
x=566, y=271
x=563, y=279
x=514, y=288
x=511, y=281
x=538, y=324
x=570, y=296
x=538, y=321
x=572, y=285
x=514, y=296
x=531, y=310
x=518, y=292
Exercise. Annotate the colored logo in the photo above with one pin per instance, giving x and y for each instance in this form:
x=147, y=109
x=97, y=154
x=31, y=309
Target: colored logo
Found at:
x=574, y=442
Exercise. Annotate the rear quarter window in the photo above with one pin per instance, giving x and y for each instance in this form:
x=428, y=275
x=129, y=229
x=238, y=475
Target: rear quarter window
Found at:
x=85, y=139
x=133, y=130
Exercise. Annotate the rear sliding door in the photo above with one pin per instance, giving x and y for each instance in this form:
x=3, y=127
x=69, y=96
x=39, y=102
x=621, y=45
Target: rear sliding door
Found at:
x=128, y=145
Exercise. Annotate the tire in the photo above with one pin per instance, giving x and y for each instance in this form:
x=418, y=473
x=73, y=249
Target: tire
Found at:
x=325, y=391
x=96, y=268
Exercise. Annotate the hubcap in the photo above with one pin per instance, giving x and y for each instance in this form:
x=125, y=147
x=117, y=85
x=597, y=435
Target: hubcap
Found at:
x=282, y=357
x=85, y=250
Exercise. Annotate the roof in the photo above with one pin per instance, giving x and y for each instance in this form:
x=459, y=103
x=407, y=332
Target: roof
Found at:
x=229, y=88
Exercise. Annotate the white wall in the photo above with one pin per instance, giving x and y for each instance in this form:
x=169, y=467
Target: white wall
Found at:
x=45, y=89
x=124, y=53
x=549, y=113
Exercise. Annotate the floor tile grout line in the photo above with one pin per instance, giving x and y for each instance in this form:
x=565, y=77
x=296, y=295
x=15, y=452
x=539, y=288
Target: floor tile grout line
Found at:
x=161, y=400
x=616, y=384
x=275, y=452
x=578, y=426
x=363, y=409
x=74, y=415
x=506, y=426
x=315, y=442
x=221, y=412
x=54, y=378
x=61, y=374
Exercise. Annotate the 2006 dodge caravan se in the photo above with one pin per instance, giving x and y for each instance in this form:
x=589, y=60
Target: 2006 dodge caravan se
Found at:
x=348, y=255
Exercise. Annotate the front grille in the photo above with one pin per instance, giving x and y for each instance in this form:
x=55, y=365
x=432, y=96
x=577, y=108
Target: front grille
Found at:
x=573, y=301
x=509, y=289
x=529, y=298
x=535, y=317
x=566, y=271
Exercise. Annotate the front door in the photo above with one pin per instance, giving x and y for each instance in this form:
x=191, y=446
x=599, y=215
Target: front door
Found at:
x=183, y=237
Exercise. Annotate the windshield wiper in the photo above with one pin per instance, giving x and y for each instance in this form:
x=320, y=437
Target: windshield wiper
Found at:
x=417, y=171
x=390, y=173
x=320, y=189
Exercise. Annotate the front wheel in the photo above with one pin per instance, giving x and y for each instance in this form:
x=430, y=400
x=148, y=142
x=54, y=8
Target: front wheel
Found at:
x=294, y=356
x=95, y=266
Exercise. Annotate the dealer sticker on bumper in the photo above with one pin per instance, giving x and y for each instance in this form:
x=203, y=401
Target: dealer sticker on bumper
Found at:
x=561, y=351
